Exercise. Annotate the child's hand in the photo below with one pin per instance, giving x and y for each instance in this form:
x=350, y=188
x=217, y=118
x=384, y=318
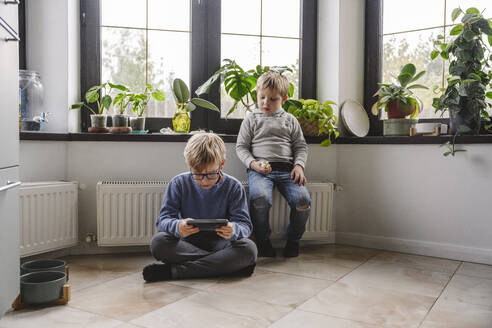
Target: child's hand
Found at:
x=226, y=231
x=185, y=230
x=261, y=167
x=297, y=174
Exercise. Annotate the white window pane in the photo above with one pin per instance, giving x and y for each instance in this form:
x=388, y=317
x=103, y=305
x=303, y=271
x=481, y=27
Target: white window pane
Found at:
x=414, y=47
x=281, y=18
x=465, y=4
x=399, y=16
x=123, y=57
x=245, y=50
x=283, y=52
x=169, y=14
x=129, y=13
x=164, y=66
x=239, y=16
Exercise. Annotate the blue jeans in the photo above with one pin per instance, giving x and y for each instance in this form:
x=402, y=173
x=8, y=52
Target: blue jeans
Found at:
x=260, y=196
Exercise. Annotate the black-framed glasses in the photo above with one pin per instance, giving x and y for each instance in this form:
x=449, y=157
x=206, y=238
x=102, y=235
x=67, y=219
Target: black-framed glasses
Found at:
x=209, y=176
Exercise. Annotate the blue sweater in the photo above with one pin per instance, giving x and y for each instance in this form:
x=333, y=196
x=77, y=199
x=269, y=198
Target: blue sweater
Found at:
x=186, y=199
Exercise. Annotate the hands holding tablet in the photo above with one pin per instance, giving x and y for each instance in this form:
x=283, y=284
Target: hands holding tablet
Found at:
x=189, y=226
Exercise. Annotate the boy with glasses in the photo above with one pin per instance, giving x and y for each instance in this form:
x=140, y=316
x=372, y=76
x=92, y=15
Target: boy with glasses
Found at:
x=205, y=192
x=271, y=145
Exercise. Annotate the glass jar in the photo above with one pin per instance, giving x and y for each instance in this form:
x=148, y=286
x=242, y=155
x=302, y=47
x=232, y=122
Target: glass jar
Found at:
x=31, y=100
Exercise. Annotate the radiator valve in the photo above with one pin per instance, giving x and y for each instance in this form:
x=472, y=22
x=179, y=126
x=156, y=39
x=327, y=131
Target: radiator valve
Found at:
x=90, y=237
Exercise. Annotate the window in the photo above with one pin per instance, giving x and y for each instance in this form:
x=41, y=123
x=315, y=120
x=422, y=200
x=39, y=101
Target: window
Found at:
x=408, y=35
x=135, y=42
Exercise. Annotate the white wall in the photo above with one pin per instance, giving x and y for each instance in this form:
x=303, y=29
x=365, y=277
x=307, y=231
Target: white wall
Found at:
x=52, y=50
x=43, y=161
x=413, y=199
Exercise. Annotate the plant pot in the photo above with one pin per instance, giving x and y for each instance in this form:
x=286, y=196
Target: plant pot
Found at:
x=43, y=265
x=181, y=121
x=98, y=123
x=397, y=109
x=464, y=121
x=309, y=128
x=137, y=123
x=398, y=126
x=42, y=286
x=120, y=120
x=120, y=124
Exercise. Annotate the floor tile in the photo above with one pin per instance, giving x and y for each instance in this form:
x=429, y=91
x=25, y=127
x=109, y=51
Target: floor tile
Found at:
x=56, y=316
x=475, y=270
x=112, y=262
x=449, y=314
x=209, y=309
x=82, y=277
x=426, y=263
x=352, y=255
x=128, y=297
x=399, y=278
x=308, y=267
x=371, y=305
x=272, y=287
x=297, y=318
x=469, y=290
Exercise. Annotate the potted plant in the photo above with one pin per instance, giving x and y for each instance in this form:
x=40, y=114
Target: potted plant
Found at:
x=469, y=70
x=140, y=102
x=184, y=105
x=103, y=102
x=315, y=118
x=398, y=100
x=120, y=102
x=240, y=84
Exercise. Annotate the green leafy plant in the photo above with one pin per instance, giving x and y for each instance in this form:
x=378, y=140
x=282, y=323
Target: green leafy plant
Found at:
x=451, y=147
x=469, y=71
x=311, y=112
x=122, y=99
x=140, y=101
x=184, y=103
x=101, y=96
x=240, y=84
x=397, y=98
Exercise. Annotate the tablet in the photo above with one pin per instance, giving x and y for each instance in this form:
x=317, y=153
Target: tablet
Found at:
x=207, y=224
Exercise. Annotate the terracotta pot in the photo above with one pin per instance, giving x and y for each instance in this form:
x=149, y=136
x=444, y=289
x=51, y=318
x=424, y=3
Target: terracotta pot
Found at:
x=397, y=109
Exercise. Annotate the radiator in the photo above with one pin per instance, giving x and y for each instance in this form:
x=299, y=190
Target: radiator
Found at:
x=47, y=216
x=127, y=210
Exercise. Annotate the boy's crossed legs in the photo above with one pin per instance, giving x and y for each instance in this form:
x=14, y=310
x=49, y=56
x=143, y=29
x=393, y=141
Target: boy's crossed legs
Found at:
x=199, y=255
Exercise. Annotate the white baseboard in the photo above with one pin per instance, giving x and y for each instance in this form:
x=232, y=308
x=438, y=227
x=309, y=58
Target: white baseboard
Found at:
x=448, y=251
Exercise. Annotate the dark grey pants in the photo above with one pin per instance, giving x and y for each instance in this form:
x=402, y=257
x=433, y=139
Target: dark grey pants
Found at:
x=203, y=254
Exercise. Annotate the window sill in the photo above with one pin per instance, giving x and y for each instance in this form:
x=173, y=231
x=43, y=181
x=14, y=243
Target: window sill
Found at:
x=231, y=138
x=151, y=137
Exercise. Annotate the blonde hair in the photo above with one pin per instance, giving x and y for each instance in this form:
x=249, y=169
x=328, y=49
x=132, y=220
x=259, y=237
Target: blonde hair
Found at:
x=203, y=149
x=273, y=81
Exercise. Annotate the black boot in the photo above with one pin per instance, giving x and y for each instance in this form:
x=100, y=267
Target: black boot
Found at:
x=265, y=248
x=291, y=249
x=157, y=272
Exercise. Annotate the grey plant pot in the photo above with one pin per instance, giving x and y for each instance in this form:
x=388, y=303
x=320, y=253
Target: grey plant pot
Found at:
x=398, y=126
x=43, y=265
x=99, y=121
x=42, y=286
x=120, y=120
x=137, y=123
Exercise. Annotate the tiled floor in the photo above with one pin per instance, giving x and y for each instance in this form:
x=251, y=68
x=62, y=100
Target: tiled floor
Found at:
x=326, y=286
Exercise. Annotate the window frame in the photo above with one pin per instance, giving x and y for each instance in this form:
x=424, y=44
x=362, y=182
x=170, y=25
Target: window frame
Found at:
x=204, y=59
x=373, y=64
